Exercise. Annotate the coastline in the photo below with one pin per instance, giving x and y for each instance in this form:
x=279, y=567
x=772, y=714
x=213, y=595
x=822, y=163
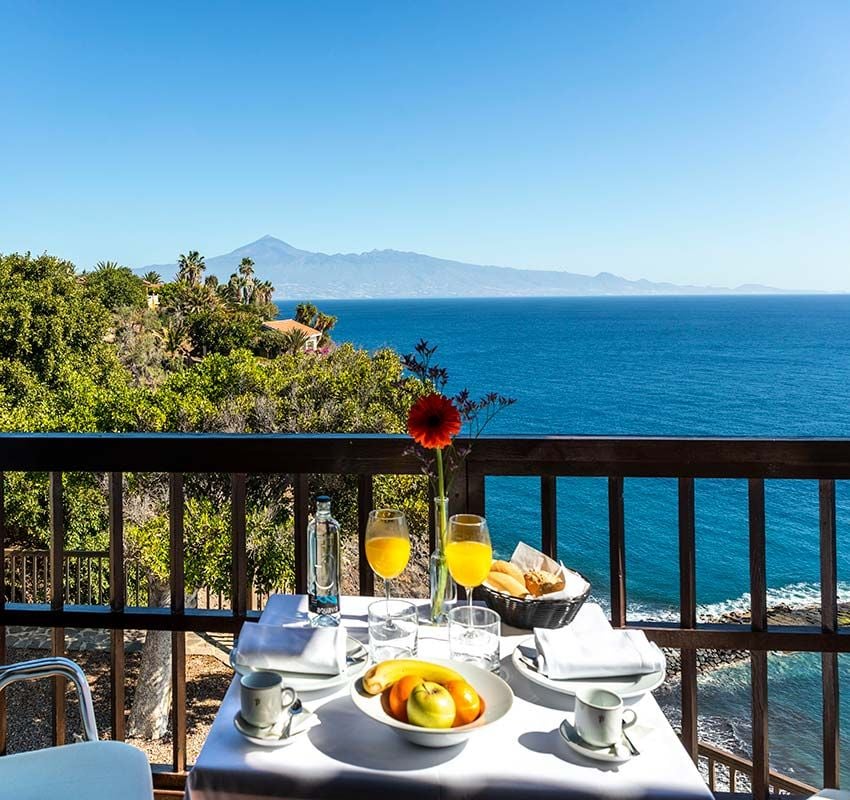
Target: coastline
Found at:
x=778, y=614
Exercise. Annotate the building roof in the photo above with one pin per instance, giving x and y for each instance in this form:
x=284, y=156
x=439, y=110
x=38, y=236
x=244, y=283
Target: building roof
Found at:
x=286, y=325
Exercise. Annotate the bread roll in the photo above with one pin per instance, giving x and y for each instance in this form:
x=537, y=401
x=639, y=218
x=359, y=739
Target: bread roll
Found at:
x=507, y=568
x=505, y=583
x=540, y=582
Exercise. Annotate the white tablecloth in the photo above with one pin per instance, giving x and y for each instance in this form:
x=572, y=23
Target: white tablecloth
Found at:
x=350, y=756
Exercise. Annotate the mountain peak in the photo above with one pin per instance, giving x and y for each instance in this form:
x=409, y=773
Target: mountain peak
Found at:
x=268, y=239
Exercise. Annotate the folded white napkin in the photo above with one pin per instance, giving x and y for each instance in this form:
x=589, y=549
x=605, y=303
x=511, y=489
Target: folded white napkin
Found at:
x=311, y=651
x=590, y=648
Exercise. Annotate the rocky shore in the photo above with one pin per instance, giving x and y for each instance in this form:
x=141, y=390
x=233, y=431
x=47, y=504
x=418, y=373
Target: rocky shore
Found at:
x=779, y=614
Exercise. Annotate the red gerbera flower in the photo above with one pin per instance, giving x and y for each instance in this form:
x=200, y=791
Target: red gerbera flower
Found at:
x=433, y=420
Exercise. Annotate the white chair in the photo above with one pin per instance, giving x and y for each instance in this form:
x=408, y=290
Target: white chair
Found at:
x=89, y=770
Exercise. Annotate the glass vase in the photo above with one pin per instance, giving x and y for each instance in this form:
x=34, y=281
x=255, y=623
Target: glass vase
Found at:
x=443, y=590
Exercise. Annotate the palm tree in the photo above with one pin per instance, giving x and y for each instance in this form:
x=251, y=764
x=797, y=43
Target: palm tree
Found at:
x=106, y=266
x=190, y=268
x=211, y=281
x=152, y=277
x=305, y=313
x=246, y=271
x=233, y=290
x=263, y=292
x=294, y=341
x=246, y=268
x=177, y=341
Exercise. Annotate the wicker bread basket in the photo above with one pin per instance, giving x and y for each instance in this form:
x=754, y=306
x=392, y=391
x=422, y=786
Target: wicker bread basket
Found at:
x=534, y=612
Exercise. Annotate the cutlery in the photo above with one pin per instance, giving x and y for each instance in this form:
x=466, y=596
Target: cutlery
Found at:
x=295, y=708
x=532, y=665
x=632, y=749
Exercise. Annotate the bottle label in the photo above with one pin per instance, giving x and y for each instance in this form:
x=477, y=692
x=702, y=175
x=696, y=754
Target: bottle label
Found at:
x=323, y=604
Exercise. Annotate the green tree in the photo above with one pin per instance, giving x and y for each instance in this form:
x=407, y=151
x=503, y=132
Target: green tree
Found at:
x=294, y=341
x=47, y=318
x=115, y=286
x=219, y=331
x=152, y=277
x=190, y=268
x=308, y=314
x=305, y=313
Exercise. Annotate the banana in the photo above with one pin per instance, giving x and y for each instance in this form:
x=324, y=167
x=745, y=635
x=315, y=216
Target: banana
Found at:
x=385, y=674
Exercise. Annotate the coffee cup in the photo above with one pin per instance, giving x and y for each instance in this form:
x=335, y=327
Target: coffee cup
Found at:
x=263, y=698
x=601, y=717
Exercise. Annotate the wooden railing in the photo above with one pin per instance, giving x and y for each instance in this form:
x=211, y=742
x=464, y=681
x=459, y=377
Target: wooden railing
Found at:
x=726, y=771
x=86, y=577
x=86, y=581
x=368, y=455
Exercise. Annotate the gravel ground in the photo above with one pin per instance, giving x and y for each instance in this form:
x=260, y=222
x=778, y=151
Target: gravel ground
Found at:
x=29, y=703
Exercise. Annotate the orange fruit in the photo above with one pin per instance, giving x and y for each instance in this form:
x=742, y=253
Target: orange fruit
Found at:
x=467, y=702
x=399, y=693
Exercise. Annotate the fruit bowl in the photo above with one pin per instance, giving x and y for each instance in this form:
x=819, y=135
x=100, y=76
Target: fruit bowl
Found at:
x=496, y=696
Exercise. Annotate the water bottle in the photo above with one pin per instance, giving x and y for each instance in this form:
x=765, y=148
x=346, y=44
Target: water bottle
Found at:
x=323, y=566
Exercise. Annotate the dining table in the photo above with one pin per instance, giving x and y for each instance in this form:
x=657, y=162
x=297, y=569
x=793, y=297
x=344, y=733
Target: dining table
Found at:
x=522, y=756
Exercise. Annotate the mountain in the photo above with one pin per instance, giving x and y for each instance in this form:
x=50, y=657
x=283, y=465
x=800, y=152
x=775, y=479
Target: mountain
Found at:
x=299, y=274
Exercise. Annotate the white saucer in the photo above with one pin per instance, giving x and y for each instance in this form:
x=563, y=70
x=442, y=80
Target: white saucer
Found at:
x=627, y=686
x=357, y=662
x=618, y=754
x=267, y=737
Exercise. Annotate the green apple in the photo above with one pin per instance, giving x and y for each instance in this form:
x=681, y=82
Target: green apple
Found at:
x=430, y=706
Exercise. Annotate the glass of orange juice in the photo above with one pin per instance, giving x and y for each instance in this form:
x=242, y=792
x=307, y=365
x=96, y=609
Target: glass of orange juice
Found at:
x=387, y=546
x=469, y=554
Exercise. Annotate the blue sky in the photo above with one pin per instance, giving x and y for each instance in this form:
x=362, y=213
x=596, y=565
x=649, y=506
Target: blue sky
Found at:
x=704, y=142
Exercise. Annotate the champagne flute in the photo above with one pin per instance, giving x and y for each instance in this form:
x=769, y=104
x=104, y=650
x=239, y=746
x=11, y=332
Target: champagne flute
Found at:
x=387, y=546
x=469, y=554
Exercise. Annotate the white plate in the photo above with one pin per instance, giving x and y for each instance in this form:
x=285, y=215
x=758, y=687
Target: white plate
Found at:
x=357, y=661
x=618, y=754
x=627, y=686
x=263, y=737
x=496, y=694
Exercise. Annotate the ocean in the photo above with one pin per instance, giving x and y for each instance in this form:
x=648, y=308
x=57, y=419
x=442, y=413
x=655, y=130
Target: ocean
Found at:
x=726, y=366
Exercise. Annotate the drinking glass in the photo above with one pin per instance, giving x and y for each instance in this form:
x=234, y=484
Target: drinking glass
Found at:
x=468, y=551
x=474, y=636
x=387, y=544
x=393, y=629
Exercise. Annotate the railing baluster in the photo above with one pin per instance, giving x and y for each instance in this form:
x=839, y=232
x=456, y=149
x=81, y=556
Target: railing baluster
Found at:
x=117, y=602
x=617, y=551
x=829, y=624
x=688, y=614
x=758, y=658
x=365, y=502
x=57, y=598
x=239, y=545
x=2, y=607
x=178, y=638
x=300, y=492
x=475, y=492
x=549, y=515
x=77, y=595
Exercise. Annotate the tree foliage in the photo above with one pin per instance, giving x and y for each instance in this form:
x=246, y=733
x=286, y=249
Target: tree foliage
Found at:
x=74, y=356
x=115, y=286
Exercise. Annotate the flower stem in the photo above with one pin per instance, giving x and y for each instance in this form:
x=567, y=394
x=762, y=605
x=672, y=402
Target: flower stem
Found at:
x=442, y=528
